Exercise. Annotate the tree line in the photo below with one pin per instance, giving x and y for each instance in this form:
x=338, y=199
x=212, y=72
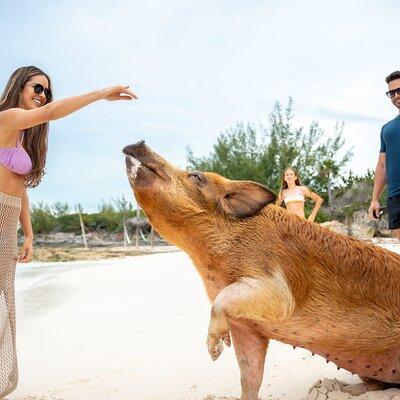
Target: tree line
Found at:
x=261, y=152
x=61, y=217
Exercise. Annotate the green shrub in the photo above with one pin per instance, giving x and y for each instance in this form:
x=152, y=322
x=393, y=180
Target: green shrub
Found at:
x=42, y=219
x=59, y=218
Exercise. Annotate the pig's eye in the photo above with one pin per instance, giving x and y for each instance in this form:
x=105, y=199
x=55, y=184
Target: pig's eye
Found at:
x=196, y=177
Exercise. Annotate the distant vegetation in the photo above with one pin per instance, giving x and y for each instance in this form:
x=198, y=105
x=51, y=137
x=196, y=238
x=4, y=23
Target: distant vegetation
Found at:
x=60, y=217
x=261, y=153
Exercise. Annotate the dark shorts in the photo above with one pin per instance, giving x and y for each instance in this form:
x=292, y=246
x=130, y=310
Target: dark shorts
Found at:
x=393, y=204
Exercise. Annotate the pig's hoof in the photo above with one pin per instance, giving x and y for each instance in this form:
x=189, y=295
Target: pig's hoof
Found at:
x=218, y=334
x=215, y=348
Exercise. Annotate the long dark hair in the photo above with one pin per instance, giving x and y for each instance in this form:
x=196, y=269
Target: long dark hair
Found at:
x=284, y=184
x=35, y=140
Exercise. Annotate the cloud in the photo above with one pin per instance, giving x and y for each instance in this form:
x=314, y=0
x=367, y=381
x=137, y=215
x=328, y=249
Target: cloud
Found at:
x=338, y=115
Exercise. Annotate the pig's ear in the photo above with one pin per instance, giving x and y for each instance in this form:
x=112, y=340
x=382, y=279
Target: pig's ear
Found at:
x=244, y=199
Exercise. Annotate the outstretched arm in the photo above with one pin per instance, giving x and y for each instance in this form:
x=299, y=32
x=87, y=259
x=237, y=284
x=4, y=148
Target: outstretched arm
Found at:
x=318, y=202
x=15, y=119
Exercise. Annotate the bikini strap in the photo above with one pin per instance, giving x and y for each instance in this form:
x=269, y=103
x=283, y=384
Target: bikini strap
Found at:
x=20, y=139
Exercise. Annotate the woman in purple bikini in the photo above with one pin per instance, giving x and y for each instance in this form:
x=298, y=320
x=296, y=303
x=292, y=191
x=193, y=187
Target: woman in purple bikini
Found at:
x=26, y=107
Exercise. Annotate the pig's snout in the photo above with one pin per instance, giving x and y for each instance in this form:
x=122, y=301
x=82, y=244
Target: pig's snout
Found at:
x=139, y=156
x=130, y=149
x=132, y=167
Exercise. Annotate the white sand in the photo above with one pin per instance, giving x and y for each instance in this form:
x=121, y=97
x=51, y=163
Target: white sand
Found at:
x=135, y=328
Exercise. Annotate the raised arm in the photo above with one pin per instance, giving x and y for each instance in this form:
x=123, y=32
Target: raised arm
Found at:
x=379, y=185
x=317, y=199
x=17, y=118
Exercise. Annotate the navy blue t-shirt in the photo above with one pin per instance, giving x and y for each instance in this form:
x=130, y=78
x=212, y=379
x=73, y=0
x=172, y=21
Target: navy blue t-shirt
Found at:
x=390, y=144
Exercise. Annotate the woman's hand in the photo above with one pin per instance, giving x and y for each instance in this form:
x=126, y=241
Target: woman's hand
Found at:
x=120, y=92
x=318, y=202
x=373, y=210
x=25, y=255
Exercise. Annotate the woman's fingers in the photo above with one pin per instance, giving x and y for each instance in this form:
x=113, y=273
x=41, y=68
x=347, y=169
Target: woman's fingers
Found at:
x=25, y=255
x=124, y=97
x=28, y=256
x=126, y=94
x=22, y=255
x=130, y=93
x=120, y=92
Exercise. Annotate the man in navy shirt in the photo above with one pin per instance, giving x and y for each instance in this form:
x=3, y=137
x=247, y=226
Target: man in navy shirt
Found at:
x=388, y=168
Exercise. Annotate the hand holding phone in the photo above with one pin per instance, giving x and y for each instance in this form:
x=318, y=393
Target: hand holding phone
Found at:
x=382, y=210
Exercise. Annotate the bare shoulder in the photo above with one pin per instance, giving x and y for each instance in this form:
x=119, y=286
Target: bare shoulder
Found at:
x=10, y=112
x=7, y=134
x=304, y=189
x=17, y=119
x=8, y=115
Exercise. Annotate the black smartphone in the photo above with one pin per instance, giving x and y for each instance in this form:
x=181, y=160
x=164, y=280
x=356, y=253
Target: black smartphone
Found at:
x=382, y=210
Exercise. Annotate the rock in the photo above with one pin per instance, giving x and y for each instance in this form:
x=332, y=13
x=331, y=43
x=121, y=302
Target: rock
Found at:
x=362, y=227
x=96, y=238
x=336, y=226
x=381, y=228
x=143, y=223
x=313, y=394
x=362, y=231
x=332, y=389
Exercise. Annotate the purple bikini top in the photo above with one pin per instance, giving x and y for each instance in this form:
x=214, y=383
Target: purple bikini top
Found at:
x=16, y=159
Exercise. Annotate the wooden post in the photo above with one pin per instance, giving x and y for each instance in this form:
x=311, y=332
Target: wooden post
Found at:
x=124, y=231
x=152, y=238
x=122, y=205
x=137, y=225
x=126, y=239
x=79, y=209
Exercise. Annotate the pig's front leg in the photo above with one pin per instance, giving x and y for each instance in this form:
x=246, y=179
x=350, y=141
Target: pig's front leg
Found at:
x=267, y=298
x=218, y=331
x=250, y=349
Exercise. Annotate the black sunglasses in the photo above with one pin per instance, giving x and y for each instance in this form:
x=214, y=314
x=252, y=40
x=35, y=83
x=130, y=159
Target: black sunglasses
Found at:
x=391, y=93
x=38, y=88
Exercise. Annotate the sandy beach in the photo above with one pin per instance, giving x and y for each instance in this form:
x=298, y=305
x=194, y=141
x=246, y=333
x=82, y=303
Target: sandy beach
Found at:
x=135, y=328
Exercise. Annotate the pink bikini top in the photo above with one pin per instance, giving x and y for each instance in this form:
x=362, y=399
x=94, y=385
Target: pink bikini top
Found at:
x=298, y=196
x=16, y=159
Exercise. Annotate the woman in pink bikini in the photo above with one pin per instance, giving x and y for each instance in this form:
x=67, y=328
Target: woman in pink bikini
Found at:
x=294, y=195
x=26, y=107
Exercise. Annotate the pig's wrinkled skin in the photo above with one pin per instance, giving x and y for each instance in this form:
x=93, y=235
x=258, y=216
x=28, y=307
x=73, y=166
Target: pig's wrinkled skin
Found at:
x=272, y=275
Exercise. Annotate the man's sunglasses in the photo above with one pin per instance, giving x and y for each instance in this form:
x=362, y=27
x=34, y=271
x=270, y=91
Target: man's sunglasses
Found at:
x=391, y=93
x=38, y=88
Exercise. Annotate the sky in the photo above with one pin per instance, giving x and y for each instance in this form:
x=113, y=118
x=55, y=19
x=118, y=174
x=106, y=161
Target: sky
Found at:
x=198, y=67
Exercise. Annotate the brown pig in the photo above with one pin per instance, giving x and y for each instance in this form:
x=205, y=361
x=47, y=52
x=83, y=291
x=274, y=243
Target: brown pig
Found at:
x=272, y=275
